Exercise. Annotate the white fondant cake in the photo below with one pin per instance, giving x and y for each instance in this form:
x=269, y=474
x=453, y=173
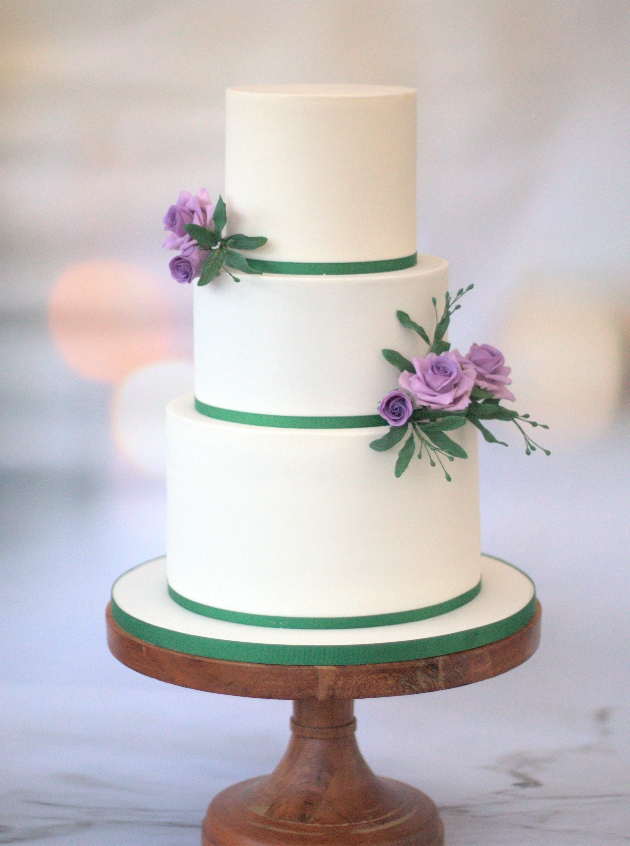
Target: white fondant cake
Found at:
x=312, y=523
x=326, y=172
x=309, y=345
x=279, y=524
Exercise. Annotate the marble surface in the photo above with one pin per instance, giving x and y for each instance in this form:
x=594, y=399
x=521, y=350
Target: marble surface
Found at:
x=94, y=766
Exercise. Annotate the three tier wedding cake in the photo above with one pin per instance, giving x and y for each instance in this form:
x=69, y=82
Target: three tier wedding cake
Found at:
x=285, y=529
x=294, y=517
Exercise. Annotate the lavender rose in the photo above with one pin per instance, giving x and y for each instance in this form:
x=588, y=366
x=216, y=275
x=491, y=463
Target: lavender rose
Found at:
x=176, y=218
x=396, y=408
x=440, y=381
x=195, y=256
x=491, y=373
x=182, y=269
x=186, y=266
x=188, y=209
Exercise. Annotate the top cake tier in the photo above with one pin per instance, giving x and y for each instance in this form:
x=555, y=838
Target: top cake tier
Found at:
x=327, y=173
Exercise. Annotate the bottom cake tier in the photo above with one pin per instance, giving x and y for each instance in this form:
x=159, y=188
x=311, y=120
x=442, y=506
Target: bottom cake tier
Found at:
x=303, y=528
x=142, y=607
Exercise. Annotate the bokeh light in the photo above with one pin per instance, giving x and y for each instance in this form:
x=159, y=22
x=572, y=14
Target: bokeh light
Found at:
x=566, y=352
x=108, y=318
x=139, y=412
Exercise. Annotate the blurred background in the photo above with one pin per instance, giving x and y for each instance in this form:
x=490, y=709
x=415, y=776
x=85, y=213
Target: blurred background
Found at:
x=110, y=108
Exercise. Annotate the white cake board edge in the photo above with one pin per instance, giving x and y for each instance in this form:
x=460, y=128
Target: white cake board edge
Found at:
x=142, y=607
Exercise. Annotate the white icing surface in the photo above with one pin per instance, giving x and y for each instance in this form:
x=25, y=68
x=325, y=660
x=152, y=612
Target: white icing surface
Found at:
x=313, y=523
x=326, y=173
x=142, y=593
x=309, y=345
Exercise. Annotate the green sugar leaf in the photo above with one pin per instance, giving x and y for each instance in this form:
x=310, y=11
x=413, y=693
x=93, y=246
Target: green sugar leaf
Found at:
x=211, y=267
x=204, y=237
x=245, y=242
x=404, y=457
x=219, y=218
x=445, y=424
x=398, y=360
x=506, y=414
x=238, y=261
x=493, y=411
x=208, y=273
x=488, y=411
x=440, y=329
x=487, y=434
x=393, y=437
x=408, y=323
x=445, y=443
x=422, y=414
x=439, y=347
x=478, y=393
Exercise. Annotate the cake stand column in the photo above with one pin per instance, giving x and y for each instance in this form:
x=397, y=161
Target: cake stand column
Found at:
x=322, y=793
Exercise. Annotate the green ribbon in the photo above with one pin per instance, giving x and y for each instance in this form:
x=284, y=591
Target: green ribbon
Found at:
x=361, y=622
x=319, y=655
x=331, y=268
x=280, y=421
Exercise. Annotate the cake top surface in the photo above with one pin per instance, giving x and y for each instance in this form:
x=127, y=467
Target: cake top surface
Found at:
x=340, y=90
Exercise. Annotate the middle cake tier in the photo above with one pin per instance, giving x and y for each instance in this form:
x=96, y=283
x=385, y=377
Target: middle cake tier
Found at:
x=309, y=528
x=308, y=345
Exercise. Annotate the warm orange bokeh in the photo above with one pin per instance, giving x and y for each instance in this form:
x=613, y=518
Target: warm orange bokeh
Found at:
x=108, y=318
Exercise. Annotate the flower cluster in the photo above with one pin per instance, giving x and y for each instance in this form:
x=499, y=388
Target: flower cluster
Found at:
x=443, y=391
x=187, y=209
x=446, y=382
x=196, y=226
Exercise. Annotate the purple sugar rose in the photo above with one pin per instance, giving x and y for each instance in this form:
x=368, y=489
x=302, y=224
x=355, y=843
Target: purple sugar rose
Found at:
x=187, y=209
x=195, y=256
x=181, y=268
x=176, y=218
x=440, y=381
x=186, y=266
x=491, y=373
x=396, y=408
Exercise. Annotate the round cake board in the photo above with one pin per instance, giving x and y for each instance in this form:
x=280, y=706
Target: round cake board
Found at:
x=142, y=607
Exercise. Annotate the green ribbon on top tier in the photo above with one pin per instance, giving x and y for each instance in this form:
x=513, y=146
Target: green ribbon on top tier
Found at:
x=331, y=268
x=280, y=421
x=361, y=622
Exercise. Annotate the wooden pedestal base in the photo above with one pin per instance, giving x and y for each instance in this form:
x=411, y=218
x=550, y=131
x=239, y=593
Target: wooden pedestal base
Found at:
x=322, y=793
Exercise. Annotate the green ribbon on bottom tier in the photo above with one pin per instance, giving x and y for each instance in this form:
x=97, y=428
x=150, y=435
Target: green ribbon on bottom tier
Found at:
x=361, y=622
x=281, y=421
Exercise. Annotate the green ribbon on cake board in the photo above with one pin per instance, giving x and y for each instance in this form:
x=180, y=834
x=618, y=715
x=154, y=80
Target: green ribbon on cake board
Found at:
x=327, y=655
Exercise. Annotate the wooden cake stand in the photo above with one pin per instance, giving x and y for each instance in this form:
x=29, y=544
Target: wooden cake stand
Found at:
x=322, y=792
